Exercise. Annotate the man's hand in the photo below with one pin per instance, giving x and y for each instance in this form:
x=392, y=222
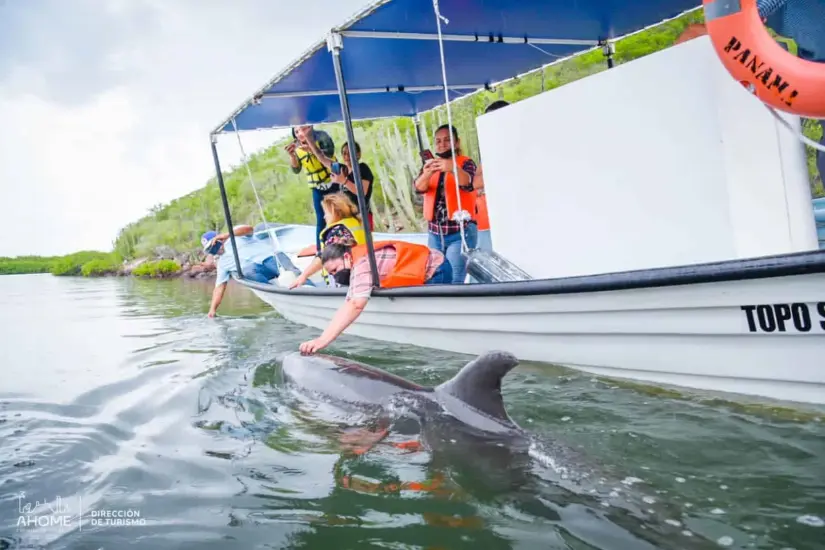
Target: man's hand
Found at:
x=299, y=281
x=308, y=348
x=219, y=238
x=211, y=314
x=307, y=134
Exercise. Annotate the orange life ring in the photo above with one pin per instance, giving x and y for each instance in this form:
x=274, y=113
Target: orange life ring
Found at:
x=752, y=57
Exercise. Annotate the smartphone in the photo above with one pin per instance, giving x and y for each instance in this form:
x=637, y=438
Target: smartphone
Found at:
x=216, y=246
x=426, y=155
x=336, y=168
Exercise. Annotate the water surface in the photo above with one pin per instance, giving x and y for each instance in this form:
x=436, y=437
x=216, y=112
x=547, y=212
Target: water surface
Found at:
x=130, y=420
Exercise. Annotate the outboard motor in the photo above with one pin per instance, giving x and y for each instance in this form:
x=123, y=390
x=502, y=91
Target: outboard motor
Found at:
x=486, y=266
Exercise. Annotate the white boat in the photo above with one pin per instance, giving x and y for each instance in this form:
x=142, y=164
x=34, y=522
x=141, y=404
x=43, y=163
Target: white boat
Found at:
x=752, y=327
x=819, y=215
x=733, y=323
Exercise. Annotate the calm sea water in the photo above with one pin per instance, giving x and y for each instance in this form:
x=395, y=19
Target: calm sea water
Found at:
x=130, y=420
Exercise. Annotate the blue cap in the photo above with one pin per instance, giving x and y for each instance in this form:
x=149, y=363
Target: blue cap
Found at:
x=206, y=238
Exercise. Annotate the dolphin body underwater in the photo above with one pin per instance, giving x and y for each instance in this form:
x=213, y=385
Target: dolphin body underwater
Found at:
x=472, y=397
x=464, y=420
x=463, y=414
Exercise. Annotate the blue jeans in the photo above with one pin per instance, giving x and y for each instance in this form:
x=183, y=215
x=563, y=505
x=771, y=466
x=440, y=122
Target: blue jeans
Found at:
x=264, y=271
x=320, y=223
x=443, y=275
x=485, y=240
x=450, y=246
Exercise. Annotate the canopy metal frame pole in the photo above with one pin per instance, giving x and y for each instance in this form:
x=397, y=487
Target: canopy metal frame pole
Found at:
x=417, y=124
x=335, y=43
x=385, y=89
x=609, y=49
x=479, y=38
x=213, y=139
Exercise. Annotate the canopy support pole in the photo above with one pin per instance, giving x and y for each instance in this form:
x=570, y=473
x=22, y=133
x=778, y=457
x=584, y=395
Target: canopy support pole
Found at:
x=609, y=49
x=335, y=43
x=417, y=123
x=226, y=213
x=479, y=39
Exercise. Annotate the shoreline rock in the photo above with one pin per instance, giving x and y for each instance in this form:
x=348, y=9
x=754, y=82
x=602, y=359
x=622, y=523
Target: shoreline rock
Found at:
x=189, y=270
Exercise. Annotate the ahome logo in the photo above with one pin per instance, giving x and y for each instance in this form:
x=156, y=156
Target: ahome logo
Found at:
x=767, y=75
x=43, y=514
x=59, y=513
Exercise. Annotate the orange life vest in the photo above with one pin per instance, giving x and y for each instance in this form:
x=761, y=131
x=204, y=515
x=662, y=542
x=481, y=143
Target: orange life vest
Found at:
x=410, y=267
x=467, y=198
x=754, y=58
x=481, y=213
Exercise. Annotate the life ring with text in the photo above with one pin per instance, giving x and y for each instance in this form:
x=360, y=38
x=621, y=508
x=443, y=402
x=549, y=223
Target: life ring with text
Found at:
x=751, y=55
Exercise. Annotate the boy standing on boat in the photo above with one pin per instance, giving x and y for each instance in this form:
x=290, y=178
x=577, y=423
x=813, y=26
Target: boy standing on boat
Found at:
x=304, y=153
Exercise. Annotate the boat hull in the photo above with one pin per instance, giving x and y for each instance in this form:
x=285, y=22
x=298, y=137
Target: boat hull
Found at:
x=756, y=336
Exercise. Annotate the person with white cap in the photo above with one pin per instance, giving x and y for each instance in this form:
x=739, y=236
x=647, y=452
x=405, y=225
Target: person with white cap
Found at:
x=256, y=256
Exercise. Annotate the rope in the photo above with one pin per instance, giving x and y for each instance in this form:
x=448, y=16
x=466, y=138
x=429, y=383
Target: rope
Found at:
x=461, y=215
x=280, y=258
x=802, y=137
x=254, y=188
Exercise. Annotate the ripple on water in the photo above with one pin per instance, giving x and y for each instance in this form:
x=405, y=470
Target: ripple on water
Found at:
x=141, y=402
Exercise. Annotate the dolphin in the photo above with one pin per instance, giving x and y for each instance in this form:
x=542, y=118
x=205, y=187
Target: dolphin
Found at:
x=471, y=399
x=463, y=421
x=460, y=419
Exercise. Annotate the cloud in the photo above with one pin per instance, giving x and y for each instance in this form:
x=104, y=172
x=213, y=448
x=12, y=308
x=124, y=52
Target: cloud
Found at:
x=107, y=104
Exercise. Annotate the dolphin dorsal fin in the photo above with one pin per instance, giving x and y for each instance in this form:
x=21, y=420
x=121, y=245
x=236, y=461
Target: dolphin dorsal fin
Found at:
x=478, y=383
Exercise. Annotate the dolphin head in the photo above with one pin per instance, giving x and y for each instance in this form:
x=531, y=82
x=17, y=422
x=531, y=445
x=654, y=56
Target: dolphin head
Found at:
x=344, y=380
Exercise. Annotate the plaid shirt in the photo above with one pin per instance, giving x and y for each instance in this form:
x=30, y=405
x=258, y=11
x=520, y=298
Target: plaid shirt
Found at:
x=360, y=281
x=442, y=224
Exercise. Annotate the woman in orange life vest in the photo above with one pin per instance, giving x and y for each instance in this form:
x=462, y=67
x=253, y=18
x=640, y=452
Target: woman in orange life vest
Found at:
x=399, y=263
x=441, y=201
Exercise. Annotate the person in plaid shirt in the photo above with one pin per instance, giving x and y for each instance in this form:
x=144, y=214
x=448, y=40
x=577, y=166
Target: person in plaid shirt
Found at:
x=441, y=200
x=351, y=266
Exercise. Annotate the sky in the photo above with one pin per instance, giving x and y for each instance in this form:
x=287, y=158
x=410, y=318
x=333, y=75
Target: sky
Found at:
x=107, y=105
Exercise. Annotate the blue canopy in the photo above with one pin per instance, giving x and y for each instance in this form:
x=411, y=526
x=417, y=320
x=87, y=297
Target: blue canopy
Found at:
x=391, y=60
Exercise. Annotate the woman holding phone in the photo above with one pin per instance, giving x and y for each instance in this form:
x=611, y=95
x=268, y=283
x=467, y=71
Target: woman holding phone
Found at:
x=442, y=200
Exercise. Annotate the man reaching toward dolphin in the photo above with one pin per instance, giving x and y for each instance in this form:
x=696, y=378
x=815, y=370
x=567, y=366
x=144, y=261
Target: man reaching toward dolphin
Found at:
x=399, y=263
